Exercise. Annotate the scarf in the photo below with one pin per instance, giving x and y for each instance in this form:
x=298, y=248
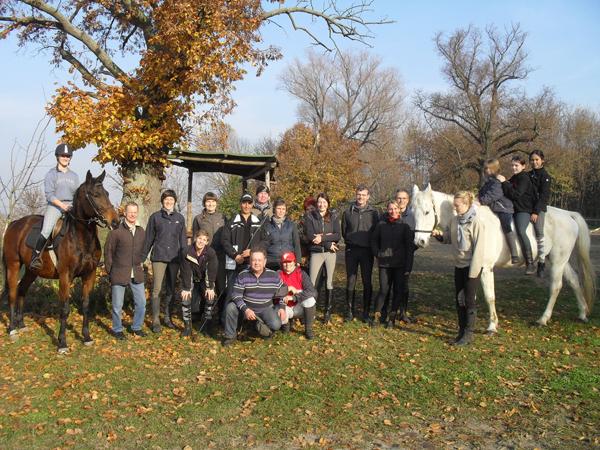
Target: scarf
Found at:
x=463, y=222
x=277, y=221
x=393, y=219
x=262, y=207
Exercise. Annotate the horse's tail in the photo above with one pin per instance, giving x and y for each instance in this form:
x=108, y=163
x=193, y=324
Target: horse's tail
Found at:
x=587, y=277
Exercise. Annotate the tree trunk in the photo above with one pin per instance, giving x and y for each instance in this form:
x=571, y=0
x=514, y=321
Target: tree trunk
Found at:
x=142, y=184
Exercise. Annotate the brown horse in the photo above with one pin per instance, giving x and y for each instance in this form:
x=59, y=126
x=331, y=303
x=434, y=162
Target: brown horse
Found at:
x=77, y=256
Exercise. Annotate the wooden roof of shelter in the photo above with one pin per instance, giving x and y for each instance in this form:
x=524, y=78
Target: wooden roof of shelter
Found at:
x=257, y=167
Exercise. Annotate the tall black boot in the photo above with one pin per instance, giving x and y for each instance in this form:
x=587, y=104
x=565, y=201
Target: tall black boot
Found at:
x=462, y=322
x=467, y=337
x=366, y=310
x=404, y=309
x=155, y=314
x=391, y=320
x=167, y=317
x=511, y=240
x=541, y=266
x=530, y=269
x=187, y=328
x=36, y=255
x=309, y=320
x=328, y=305
x=349, y=305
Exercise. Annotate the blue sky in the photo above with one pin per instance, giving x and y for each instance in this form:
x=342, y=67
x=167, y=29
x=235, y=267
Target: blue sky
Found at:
x=563, y=45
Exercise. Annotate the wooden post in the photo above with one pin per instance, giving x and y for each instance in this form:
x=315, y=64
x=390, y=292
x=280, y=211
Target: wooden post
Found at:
x=244, y=185
x=190, y=214
x=268, y=179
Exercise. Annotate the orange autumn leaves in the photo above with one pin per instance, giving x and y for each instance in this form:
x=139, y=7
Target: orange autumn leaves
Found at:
x=190, y=53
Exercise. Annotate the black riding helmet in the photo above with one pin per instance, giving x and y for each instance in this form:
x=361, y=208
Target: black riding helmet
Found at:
x=63, y=150
x=168, y=193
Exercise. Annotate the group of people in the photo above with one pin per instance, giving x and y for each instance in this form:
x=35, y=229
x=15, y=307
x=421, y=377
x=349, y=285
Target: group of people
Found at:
x=263, y=267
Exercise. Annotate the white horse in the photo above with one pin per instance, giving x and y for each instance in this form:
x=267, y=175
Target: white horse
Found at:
x=565, y=234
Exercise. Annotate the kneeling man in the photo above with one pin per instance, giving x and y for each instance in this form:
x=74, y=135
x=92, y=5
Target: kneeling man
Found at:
x=257, y=294
x=300, y=300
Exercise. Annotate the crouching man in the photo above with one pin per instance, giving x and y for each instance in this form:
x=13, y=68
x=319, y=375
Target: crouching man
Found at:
x=257, y=294
x=300, y=300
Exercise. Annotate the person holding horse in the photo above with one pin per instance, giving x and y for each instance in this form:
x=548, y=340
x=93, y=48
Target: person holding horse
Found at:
x=300, y=300
x=323, y=232
x=281, y=235
x=199, y=268
x=465, y=233
x=123, y=259
x=257, y=294
x=358, y=223
x=520, y=190
x=541, y=185
x=60, y=185
x=166, y=237
x=392, y=245
x=492, y=195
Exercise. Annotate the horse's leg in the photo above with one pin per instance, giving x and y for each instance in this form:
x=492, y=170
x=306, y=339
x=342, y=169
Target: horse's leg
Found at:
x=12, y=280
x=24, y=284
x=87, y=284
x=487, y=284
x=573, y=281
x=63, y=296
x=556, y=274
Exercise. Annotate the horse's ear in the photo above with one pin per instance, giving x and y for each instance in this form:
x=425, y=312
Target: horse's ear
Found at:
x=88, y=177
x=415, y=190
x=428, y=188
x=100, y=178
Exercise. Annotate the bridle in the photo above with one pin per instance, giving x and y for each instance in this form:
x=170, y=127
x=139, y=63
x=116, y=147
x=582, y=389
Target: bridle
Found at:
x=435, y=223
x=98, y=218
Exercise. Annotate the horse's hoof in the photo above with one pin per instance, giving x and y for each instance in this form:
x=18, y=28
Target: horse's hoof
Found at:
x=539, y=323
x=13, y=336
x=88, y=343
x=583, y=319
x=63, y=351
x=491, y=332
x=13, y=332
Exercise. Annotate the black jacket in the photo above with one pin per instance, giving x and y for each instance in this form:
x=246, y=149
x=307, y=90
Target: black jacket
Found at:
x=166, y=236
x=520, y=190
x=240, y=234
x=198, y=268
x=213, y=224
x=392, y=244
x=541, y=188
x=280, y=240
x=358, y=225
x=330, y=229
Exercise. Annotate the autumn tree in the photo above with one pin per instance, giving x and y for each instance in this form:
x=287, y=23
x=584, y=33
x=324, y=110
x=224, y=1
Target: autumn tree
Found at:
x=307, y=167
x=483, y=104
x=145, y=72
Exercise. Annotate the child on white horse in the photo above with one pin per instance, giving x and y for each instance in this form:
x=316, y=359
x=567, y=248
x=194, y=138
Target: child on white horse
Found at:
x=541, y=184
x=491, y=194
x=520, y=190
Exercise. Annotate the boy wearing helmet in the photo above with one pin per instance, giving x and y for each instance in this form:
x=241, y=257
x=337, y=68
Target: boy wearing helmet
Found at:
x=60, y=185
x=300, y=300
x=166, y=236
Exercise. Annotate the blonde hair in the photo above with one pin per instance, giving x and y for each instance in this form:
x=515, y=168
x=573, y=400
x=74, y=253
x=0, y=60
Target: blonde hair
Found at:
x=493, y=164
x=465, y=196
x=393, y=202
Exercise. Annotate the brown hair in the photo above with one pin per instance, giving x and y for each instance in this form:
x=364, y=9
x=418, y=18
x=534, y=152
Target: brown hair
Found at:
x=493, y=164
x=520, y=158
x=465, y=196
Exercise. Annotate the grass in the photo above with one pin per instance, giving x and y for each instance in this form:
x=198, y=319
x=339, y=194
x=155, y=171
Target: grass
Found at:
x=351, y=387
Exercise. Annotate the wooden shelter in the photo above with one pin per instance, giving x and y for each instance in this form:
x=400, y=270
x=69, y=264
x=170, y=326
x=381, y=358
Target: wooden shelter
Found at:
x=249, y=167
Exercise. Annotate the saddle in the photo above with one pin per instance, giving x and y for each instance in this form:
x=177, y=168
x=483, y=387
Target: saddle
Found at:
x=56, y=236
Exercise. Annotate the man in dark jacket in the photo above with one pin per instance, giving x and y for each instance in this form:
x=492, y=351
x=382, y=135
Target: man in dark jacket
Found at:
x=242, y=232
x=358, y=223
x=199, y=267
x=123, y=259
x=262, y=203
x=166, y=236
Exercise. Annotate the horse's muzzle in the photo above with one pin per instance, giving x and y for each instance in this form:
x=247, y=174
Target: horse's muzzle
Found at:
x=114, y=224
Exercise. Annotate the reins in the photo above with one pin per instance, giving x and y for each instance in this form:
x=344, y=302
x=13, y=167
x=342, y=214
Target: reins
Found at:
x=435, y=223
x=98, y=218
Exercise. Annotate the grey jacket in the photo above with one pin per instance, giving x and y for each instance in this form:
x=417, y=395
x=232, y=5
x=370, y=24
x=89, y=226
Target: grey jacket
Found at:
x=60, y=185
x=213, y=224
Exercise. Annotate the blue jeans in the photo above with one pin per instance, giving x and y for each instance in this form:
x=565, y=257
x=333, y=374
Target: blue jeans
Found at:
x=139, y=298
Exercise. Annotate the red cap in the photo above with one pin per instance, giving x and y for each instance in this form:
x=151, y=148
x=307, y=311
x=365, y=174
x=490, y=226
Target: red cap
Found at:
x=288, y=257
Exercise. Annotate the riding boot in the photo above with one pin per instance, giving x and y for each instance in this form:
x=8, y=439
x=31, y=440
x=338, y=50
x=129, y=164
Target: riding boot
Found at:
x=328, y=301
x=511, y=240
x=391, y=320
x=187, y=329
x=309, y=320
x=404, y=309
x=167, y=317
x=349, y=306
x=36, y=255
x=530, y=269
x=540, y=269
x=155, y=314
x=366, y=310
x=462, y=322
x=467, y=337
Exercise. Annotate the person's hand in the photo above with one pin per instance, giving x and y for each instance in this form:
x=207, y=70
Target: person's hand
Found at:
x=318, y=238
x=250, y=314
x=239, y=259
x=334, y=247
x=246, y=253
x=210, y=295
x=282, y=314
x=436, y=233
x=186, y=295
x=501, y=178
x=534, y=218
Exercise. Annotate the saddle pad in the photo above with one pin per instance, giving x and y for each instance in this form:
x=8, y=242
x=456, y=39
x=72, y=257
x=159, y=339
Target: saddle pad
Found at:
x=54, y=240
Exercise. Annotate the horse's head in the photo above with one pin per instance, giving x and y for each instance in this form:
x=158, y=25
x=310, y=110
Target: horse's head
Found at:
x=94, y=202
x=426, y=217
